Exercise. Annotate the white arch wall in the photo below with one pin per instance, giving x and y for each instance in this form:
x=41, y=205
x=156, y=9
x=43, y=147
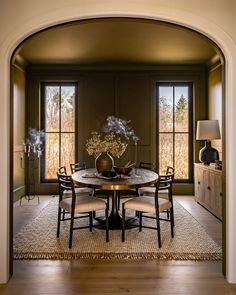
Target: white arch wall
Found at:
x=19, y=19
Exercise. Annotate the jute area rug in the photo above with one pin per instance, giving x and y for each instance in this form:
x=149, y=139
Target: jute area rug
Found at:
x=38, y=240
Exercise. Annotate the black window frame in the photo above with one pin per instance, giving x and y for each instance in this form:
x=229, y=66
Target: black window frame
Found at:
x=190, y=126
x=60, y=84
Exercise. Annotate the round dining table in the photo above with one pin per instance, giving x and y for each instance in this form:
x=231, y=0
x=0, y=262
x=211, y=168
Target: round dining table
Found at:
x=137, y=178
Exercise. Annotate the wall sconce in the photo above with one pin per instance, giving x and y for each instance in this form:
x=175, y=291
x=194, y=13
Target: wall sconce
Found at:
x=207, y=130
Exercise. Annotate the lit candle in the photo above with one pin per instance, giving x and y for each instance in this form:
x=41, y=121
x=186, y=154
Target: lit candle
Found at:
x=39, y=153
x=25, y=149
x=34, y=148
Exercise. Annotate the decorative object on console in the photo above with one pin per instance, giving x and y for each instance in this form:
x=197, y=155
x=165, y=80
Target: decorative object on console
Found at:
x=218, y=165
x=207, y=130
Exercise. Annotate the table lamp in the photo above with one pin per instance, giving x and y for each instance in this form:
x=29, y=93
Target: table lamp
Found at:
x=207, y=130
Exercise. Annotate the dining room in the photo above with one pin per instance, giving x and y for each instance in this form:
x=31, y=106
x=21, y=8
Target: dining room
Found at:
x=62, y=99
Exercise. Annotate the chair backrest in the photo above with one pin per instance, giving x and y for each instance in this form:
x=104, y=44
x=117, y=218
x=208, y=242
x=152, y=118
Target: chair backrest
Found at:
x=170, y=170
x=147, y=165
x=77, y=167
x=165, y=181
x=62, y=170
x=65, y=182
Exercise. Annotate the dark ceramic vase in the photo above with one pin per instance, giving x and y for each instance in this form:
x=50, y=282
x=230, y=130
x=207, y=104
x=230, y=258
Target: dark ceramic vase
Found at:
x=104, y=162
x=208, y=154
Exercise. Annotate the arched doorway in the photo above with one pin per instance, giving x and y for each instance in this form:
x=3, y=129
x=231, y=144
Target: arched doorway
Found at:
x=79, y=35
x=228, y=49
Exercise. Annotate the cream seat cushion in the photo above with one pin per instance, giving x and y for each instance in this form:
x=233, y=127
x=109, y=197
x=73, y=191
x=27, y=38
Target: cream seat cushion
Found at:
x=150, y=191
x=146, y=204
x=83, y=204
x=79, y=190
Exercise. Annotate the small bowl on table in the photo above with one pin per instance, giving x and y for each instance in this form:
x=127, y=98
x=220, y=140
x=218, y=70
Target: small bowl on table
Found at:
x=122, y=170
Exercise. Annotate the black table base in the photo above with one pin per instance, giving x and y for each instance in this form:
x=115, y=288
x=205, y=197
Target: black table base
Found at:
x=115, y=220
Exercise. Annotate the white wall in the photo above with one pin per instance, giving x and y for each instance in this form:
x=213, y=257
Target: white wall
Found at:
x=216, y=19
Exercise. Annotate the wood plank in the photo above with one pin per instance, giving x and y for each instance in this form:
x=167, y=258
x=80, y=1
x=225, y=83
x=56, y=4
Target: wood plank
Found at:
x=119, y=277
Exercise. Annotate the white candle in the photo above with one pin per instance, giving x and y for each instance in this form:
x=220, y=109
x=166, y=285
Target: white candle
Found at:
x=25, y=147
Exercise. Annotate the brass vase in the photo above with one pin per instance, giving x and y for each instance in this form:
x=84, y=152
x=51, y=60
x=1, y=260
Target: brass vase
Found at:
x=104, y=162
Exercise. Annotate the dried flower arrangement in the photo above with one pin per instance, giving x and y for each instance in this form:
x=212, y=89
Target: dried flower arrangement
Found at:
x=114, y=140
x=108, y=143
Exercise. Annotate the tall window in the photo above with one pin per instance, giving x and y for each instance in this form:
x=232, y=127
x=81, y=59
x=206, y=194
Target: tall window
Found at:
x=174, y=125
x=58, y=111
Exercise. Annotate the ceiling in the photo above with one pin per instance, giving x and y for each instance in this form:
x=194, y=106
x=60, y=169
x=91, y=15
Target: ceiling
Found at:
x=117, y=41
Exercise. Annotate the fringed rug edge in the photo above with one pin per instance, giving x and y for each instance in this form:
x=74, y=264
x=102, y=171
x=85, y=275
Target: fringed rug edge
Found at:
x=119, y=256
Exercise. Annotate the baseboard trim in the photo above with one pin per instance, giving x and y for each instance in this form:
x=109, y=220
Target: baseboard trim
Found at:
x=18, y=193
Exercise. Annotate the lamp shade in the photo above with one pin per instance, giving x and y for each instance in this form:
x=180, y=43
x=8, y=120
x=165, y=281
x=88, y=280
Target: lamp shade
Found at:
x=208, y=129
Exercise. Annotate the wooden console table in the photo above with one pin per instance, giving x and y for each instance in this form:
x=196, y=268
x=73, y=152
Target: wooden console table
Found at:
x=208, y=188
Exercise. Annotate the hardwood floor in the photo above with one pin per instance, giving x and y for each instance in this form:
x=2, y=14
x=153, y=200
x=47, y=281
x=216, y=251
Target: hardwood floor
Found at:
x=119, y=277
x=212, y=225
x=27, y=211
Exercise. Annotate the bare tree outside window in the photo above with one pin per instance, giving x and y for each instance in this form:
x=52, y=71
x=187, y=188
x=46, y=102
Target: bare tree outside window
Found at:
x=58, y=121
x=174, y=128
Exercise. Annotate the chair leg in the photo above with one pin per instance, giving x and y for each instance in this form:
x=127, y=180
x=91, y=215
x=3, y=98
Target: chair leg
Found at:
x=63, y=214
x=123, y=222
x=118, y=200
x=107, y=223
x=140, y=220
x=168, y=214
x=108, y=200
x=172, y=221
x=91, y=220
x=158, y=229
x=71, y=229
x=58, y=221
x=173, y=217
x=172, y=208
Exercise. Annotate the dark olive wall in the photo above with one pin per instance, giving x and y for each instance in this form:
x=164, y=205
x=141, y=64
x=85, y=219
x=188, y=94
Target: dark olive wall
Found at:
x=96, y=97
x=127, y=92
x=18, y=93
